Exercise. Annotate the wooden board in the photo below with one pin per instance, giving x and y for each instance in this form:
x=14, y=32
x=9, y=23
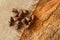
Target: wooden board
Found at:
x=46, y=26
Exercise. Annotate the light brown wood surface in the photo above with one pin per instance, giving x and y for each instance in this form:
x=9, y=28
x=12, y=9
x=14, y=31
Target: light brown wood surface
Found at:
x=47, y=24
x=7, y=32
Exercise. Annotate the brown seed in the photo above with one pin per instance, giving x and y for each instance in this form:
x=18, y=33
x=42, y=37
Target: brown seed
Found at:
x=19, y=25
x=15, y=10
x=11, y=21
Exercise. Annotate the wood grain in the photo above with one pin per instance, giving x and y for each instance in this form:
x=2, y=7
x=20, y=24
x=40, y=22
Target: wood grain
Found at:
x=47, y=24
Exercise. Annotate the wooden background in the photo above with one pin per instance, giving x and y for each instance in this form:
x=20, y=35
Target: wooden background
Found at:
x=47, y=24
